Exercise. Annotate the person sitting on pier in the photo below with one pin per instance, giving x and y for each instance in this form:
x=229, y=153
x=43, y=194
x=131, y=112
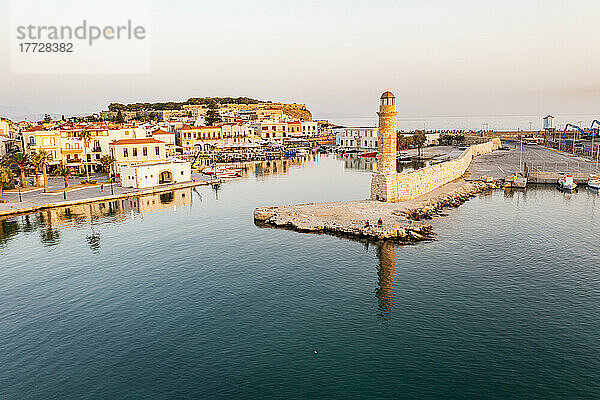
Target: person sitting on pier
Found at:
x=380, y=222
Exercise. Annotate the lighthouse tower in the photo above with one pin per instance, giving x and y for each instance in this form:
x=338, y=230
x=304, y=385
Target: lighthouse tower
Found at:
x=386, y=135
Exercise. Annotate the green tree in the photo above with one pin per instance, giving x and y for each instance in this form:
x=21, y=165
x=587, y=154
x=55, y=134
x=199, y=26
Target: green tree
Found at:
x=419, y=139
x=63, y=171
x=106, y=162
x=21, y=161
x=6, y=178
x=85, y=136
x=47, y=118
x=40, y=161
x=212, y=114
x=120, y=118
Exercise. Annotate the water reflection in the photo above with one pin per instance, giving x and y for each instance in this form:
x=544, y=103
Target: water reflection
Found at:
x=355, y=162
x=260, y=169
x=386, y=271
x=48, y=222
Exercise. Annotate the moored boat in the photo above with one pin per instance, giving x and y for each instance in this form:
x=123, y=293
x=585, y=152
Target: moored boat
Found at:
x=369, y=154
x=567, y=183
x=515, y=181
x=594, y=183
x=221, y=170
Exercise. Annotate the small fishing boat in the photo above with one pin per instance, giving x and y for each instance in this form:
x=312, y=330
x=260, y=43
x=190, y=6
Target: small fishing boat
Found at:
x=369, y=154
x=594, y=183
x=567, y=183
x=515, y=181
x=302, y=152
x=228, y=175
x=221, y=170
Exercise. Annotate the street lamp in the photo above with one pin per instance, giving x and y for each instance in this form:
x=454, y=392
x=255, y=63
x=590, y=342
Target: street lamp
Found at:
x=20, y=199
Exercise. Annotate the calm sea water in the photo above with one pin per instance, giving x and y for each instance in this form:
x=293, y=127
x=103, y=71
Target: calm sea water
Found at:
x=182, y=296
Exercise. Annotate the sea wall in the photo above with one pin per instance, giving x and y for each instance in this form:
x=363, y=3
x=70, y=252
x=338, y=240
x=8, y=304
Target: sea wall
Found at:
x=407, y=186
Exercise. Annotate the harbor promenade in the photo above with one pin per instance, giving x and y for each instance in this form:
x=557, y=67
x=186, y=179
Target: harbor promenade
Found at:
x=31, y=199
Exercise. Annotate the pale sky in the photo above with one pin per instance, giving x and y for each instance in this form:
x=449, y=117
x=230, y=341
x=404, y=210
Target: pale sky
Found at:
x=440, y=57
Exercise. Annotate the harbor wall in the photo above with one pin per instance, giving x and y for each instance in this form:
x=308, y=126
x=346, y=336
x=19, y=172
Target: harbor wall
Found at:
x=408, y=186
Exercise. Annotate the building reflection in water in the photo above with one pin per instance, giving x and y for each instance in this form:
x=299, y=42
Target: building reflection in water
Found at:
x=260, y=169
x=356, y=162
x=386, y=271
x=48, y=222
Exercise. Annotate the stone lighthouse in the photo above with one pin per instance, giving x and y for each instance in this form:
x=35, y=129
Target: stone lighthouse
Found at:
x=386, y=135
x=383, y=182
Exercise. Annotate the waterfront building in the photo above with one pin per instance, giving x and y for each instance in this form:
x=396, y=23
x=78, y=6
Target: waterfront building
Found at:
x=204, y=138
x=294, y=129
x=65, y=147
x=127, y=152
x=310, y=128
x=357, y=138
x=168, y=138
x=270, y=131
x=147, y=175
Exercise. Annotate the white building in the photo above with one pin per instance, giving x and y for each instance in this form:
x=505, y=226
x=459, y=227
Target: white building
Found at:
x=549, y=123
x=357, y=138
x=310, y=128
x=148, y=175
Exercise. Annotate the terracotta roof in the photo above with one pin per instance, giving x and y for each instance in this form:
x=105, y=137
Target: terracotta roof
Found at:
x=36, y=128
x=161, y=132
x=136, y=141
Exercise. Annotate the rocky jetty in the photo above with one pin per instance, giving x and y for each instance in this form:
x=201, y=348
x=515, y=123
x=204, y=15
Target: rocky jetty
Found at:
x=401, y=222
x=434, y=207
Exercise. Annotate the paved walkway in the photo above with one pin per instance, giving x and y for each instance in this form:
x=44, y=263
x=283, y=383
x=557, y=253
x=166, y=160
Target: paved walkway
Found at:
x=35, y=197
x=502, y=163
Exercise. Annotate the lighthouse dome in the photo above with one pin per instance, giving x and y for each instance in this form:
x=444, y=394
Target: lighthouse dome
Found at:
x=388, y=99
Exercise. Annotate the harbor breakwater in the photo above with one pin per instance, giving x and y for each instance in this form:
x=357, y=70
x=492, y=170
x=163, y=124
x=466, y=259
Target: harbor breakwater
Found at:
x=418, y=195
x=411, y=185
x=402, y=222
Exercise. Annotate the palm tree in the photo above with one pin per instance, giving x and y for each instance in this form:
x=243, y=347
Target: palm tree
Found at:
x=21, y=161
x=106, y=162
x=85, y=136
x=6, y=177
x=40, y=160
x=63, y=171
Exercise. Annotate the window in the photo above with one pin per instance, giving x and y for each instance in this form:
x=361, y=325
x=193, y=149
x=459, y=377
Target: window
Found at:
x=145, y=151
x=135, y=151
x=125, y=153
x=157, y=150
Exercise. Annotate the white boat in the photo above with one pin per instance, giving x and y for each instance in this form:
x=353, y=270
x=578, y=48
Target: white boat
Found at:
x=567, y=183
x=222, y=170
x=515, y=181
x=594, y=183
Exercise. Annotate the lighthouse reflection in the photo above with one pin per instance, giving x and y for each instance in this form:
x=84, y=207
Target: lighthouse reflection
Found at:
x=386, y=270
